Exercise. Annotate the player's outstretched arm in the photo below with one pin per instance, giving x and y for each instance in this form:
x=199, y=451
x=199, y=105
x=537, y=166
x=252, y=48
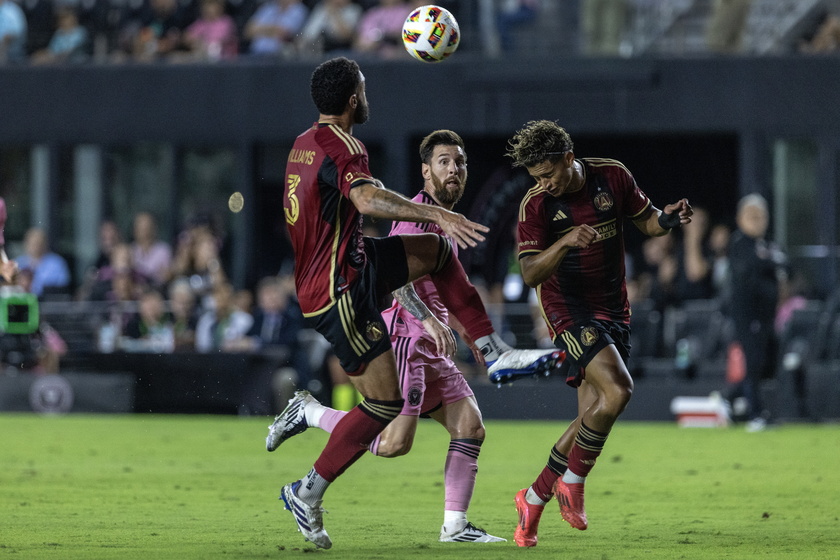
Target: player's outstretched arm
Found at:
x=660, y=222
x=378, y=202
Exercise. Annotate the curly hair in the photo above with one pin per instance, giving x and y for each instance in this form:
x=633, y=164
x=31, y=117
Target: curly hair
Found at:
x=537, y=142
x=333, y=83
x=438, y=138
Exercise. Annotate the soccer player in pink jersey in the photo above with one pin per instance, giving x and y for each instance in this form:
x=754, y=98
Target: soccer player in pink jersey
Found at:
x=344, y=279
x=431, y=382
x=571, y=249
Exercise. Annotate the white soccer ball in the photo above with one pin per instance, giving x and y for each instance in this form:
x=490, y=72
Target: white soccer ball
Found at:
x=430, y=33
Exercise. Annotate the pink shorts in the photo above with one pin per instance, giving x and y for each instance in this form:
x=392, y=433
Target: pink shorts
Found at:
x=428, y=381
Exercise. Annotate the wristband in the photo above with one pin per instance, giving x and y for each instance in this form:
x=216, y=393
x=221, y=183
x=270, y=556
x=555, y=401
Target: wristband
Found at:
x=669, y=221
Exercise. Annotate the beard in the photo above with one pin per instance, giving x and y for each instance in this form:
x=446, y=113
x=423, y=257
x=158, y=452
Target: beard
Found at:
x=446, y=196
x=362, y=113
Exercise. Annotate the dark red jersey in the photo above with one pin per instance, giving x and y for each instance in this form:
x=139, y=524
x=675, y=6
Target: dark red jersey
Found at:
x=589, y=283
x=324, y=226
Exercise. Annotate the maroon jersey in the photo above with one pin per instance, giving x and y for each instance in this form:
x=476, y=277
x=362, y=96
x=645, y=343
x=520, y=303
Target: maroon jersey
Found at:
x=324, y=226
x=588, y=283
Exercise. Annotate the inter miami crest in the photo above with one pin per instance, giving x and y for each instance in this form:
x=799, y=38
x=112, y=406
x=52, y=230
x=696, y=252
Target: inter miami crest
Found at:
x=415, y=395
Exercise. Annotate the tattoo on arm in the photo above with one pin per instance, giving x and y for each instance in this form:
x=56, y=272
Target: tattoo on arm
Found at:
x=408, y=298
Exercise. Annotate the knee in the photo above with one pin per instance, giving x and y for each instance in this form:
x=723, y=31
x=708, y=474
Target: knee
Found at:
x=394, y=447
x=475, y=431
x=617, y=397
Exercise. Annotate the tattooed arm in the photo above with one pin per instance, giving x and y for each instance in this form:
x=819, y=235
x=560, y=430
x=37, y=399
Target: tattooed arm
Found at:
x=442, y=334
x=374, y=200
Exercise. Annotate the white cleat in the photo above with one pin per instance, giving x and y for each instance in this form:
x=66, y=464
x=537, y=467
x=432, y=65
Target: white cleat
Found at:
x=470, y=533
x=309, y=519
x=290, y=422
x=516, y=364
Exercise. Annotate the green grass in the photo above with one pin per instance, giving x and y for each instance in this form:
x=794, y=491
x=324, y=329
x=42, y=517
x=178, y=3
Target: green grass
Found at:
x=186, y=487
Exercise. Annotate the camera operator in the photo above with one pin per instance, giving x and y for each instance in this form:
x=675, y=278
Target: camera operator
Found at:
x=26, y=343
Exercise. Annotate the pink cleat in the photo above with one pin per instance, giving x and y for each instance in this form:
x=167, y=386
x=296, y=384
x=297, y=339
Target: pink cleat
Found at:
x=570, y=497
x=529, y=520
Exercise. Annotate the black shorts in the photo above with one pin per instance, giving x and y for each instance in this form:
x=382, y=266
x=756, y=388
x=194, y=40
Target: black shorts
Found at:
x=354, y=325
x=584, y=340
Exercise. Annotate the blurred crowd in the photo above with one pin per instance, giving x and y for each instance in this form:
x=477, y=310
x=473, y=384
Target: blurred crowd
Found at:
x=198, y=30
x=149, y=295
x=68, y=31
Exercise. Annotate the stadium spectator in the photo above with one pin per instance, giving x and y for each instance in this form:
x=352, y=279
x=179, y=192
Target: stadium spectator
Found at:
x=513, y=14
x=150, y=329
x=213, y=36
x=223, y=326
x=694, y=273
x=120, y=263
x=431, y=382
x=755, y=265
x=657, y=277
x=184, y=313
x=13, y=30
x=154, y=31
x=151, y=256
x=602, y=25
x=581, y=274
x=121, y=295
x=330, y=28
x=109, y=237
x=49, y=269
x=343, y=279
x=719, y=247
x=69, y=43
x=380, y=29
x=275, y=334
x=826, y=37
x=725, y=31
x=197, y=260
x=273, y=27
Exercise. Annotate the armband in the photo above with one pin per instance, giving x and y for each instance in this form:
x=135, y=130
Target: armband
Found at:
x=669, y=221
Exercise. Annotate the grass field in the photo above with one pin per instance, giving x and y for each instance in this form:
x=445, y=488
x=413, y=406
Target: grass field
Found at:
x=183, y=487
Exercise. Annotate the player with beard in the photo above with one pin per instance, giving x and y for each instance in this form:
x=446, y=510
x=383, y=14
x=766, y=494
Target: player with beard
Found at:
x=344, y=280
x=431, y=382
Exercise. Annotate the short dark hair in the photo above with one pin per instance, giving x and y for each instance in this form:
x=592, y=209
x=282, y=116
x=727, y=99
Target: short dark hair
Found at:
x=438, y=138
x=333, y=83
x=537, y=142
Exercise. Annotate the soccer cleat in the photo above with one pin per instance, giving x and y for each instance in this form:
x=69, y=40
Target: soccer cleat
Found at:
x=570, y=497
x=290, y=422
x=308, y=518
x=516, y=364
x=529, y=520
x=470, y=533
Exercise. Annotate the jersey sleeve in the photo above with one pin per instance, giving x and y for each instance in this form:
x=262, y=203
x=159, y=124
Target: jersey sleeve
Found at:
x=349, y=156
x=531, y=231
x=636, y=203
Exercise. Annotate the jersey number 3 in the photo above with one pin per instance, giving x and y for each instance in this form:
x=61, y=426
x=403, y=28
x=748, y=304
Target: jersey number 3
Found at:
x=293, y=210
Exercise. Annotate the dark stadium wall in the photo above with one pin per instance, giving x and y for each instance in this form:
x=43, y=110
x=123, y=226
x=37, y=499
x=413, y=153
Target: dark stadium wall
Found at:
x=702, y=127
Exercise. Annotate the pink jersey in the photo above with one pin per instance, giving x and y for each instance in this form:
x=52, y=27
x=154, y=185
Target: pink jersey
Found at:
x=423, y=374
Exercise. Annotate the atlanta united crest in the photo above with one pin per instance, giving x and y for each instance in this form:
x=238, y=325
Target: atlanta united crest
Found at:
x=374, y=331
x=588, y=336
x=603, y=201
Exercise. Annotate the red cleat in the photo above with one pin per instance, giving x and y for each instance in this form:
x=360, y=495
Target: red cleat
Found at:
x=570, y=498
x=529, y=520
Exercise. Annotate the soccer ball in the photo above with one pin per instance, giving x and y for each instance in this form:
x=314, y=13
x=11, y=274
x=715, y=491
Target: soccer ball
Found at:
x=430, y=33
